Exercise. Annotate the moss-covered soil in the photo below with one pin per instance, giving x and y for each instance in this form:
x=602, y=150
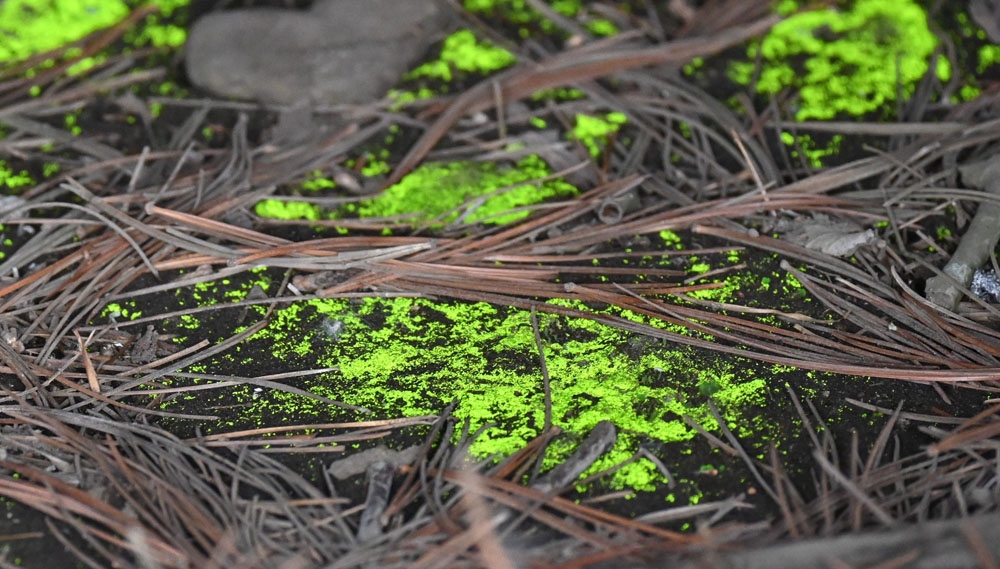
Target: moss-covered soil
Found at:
x=400, y=357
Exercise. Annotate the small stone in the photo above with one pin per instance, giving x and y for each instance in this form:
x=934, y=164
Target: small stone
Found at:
x=340, y=51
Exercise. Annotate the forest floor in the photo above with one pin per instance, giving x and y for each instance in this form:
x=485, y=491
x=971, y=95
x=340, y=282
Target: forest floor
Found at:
x=623, y=299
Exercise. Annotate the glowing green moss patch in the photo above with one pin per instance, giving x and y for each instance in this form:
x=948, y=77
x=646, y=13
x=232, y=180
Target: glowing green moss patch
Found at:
x=602, y=28
x=28, y=27
x=558, y=94
x=805, y=146
x=280, y=209
x=989, y=55
x=698, y=268
x=406, y=357
x=594, y=132
x=403, y=97
x=671, y=240
x=853, y=60
x=519, y=12
x=157, y=34
x=462, y=51
x=316, y=181
x=14, y=180
x=375, y=168
x=116, y=310
x=467, y=190
x=516, y=11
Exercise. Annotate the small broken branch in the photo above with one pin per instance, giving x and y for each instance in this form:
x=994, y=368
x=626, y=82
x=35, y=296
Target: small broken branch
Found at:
x=945, y=290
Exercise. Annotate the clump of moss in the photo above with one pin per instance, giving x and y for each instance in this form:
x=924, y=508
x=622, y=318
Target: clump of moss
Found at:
x=441, y=193
x=28, y=27
x=518, y=12
x=853, y=62
x=594, y=131
x=462, y=51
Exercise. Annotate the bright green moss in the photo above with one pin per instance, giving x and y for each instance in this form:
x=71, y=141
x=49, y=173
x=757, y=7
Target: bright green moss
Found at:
x=694, y=66
x=853, y=60
x=31, y=26
x=375, y=168
x=402, y=97
x=803, y=145
x=421, y=355
x=28, y=27
x=602, y=28
x=280, y=209
x=515, y=11
x=566, y=7
x=462, y=51
x=792, y=284
x=594, y=132
x=116, y=310
x=85, y=64
x=558, y=94
x=786, y=7
x=520, y=13
x=445, y=192
x=316, y=181
x=671, y=240
x=989, y=55
x=13, y=180
x=188, y=322
x=967, y=93
x=157, y=34
x=407, y=357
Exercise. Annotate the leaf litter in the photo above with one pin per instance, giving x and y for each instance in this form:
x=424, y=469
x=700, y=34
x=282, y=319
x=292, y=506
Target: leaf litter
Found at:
x=78, y=446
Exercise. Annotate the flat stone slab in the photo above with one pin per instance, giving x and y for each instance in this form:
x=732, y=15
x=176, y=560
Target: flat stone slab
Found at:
x=339, y=51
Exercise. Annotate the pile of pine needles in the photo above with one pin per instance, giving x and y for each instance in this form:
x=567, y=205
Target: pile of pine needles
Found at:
x=132, y=495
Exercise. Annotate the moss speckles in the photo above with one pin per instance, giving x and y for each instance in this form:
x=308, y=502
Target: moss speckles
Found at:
x=519, y=12
x=50, y=169
x=595, y=132
x=157, y=33
x=375, y=168
x=116, y=310
x=70, y=120
x=804, y=146
x=792, y=284
x=853, y=60
x=671, y=240
x=11, y=179
x=188, y=322
x=314, y=182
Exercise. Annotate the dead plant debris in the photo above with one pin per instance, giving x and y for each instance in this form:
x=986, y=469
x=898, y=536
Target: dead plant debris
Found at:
x=79, y=405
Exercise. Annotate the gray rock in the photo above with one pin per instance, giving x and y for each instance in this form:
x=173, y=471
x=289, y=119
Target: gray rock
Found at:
x=340, y=51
